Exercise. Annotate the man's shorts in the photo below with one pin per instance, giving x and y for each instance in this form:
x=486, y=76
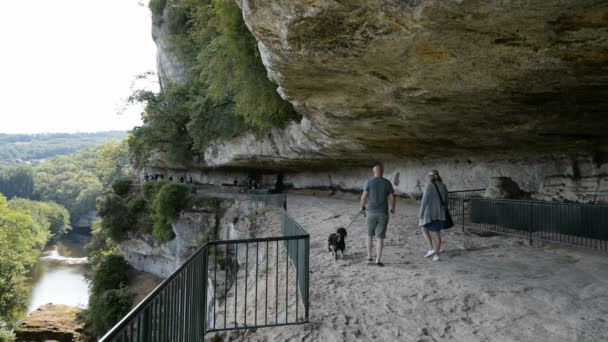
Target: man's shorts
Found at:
x=376, y=225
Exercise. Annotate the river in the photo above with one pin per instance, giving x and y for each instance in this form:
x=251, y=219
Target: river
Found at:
x=59, y=275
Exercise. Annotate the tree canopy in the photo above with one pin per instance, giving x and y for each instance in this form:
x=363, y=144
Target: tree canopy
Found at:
x=26, y=148
x=17, y=181
x=77, y=180
x=24, y=230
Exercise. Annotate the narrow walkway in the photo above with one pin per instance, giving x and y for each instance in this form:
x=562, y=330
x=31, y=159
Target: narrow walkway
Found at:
x=484, y=289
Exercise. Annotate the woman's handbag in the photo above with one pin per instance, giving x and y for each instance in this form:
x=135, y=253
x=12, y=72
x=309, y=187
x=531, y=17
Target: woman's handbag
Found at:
x=448, y=218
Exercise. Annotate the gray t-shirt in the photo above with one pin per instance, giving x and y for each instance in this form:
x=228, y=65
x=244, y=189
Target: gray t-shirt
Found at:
x=378, y=189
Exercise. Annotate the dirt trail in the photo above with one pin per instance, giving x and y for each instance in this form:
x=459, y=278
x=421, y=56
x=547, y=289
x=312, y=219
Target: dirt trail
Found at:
x=483, y=289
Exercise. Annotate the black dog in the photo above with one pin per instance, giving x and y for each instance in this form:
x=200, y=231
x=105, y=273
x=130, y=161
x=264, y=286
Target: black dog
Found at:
x=336, y=243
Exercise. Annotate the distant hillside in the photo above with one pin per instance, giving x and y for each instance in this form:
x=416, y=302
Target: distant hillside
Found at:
x=30, y=148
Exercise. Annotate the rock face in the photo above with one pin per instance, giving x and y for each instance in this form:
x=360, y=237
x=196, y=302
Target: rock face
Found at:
x=410, y=78
x=51, y=322
x=231, y=218
x=169, y=67
x=590, y=190
x=503, y=188
x=145, y=255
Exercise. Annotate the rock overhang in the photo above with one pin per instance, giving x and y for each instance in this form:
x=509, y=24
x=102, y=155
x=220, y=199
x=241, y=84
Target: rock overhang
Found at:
x=409, y=78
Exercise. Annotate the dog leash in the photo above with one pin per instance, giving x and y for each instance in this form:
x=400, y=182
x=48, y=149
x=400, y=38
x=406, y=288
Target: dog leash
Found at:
x=353, y=221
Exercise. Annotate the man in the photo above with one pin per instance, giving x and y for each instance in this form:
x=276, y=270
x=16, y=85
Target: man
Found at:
x=378, y=193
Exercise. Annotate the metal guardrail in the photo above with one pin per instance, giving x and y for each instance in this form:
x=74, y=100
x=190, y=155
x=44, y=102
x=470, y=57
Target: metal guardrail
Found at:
x=227, y=285
x=580, y=225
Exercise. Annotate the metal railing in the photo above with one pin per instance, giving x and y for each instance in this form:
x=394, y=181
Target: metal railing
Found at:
x=459, y=204
x=227, y=285
x=580, y=225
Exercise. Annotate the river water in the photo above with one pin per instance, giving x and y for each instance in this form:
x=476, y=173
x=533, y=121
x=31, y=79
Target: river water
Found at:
x=59, y=275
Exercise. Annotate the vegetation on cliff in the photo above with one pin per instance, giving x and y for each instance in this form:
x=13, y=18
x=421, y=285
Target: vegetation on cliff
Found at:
x=226, y=92
x=110, y=299
x=127, y=209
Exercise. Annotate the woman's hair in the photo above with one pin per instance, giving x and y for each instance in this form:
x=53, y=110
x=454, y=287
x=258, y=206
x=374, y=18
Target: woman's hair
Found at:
x=435, y=173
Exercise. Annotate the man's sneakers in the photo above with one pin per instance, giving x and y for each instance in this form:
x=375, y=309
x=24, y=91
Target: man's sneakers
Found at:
x=436, y=257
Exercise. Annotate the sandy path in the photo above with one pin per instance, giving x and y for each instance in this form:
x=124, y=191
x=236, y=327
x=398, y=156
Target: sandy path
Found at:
x=483, y=289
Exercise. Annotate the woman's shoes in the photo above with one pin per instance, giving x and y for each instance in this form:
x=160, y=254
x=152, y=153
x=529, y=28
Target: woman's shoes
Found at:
x=436, y=257
x=429, y=253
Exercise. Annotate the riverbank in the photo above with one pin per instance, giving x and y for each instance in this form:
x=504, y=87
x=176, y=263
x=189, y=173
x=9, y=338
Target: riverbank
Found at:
x=484, y=288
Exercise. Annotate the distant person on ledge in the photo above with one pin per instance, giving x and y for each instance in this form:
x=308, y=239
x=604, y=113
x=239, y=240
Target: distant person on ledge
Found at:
x=378, y=194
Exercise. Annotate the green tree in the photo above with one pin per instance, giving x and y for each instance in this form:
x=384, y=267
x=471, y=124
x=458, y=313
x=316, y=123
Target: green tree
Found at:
x=165, y=118
x=112, y=161
x=106, y=309
x=50, y=216
x=76, y=181
x=22, y=237
x=100, y=244
x=110, y=299
x=17, y=181
x=116, y=219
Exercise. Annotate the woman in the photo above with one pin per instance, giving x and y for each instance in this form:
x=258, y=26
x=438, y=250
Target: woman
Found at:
x=432, y=213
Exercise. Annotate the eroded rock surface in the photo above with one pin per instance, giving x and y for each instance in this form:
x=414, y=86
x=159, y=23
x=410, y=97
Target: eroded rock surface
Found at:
x=590, y=190
x=51, y=322
x=413, y=77
x=232, y=218
x=503, y=188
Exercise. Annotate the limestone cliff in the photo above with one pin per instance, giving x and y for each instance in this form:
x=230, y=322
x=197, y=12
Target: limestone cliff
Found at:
x=408, y=78
x=228, y=218
x=476, y=89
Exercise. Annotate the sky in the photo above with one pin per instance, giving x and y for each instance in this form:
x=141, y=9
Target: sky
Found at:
x=69, y=65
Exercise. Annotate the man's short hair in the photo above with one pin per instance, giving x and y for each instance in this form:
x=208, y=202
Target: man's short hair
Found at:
x=379, y=166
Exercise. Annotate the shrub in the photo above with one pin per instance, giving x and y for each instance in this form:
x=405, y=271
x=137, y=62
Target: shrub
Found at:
x=116, y=218
x=122, y=186
x=100, y=244
x=109, y=273
x=170, y=200
x=137, y=206
x=162, y=230
x=151, y=189
x=107, y=308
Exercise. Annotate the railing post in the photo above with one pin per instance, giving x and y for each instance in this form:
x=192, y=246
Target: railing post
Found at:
x=307, y=268
x=530, y=221
x=285, y=202
x=462, y=200
x=205, y=281
x=145, y=326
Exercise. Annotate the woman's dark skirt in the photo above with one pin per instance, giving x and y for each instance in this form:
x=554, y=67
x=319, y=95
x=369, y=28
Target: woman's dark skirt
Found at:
x=435, y=225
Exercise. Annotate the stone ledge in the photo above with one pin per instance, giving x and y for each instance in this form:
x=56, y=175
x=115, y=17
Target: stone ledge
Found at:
x=51, y=322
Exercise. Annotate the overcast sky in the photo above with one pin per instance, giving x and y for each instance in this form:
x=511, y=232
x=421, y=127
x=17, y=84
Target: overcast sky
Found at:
x=68, y=65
